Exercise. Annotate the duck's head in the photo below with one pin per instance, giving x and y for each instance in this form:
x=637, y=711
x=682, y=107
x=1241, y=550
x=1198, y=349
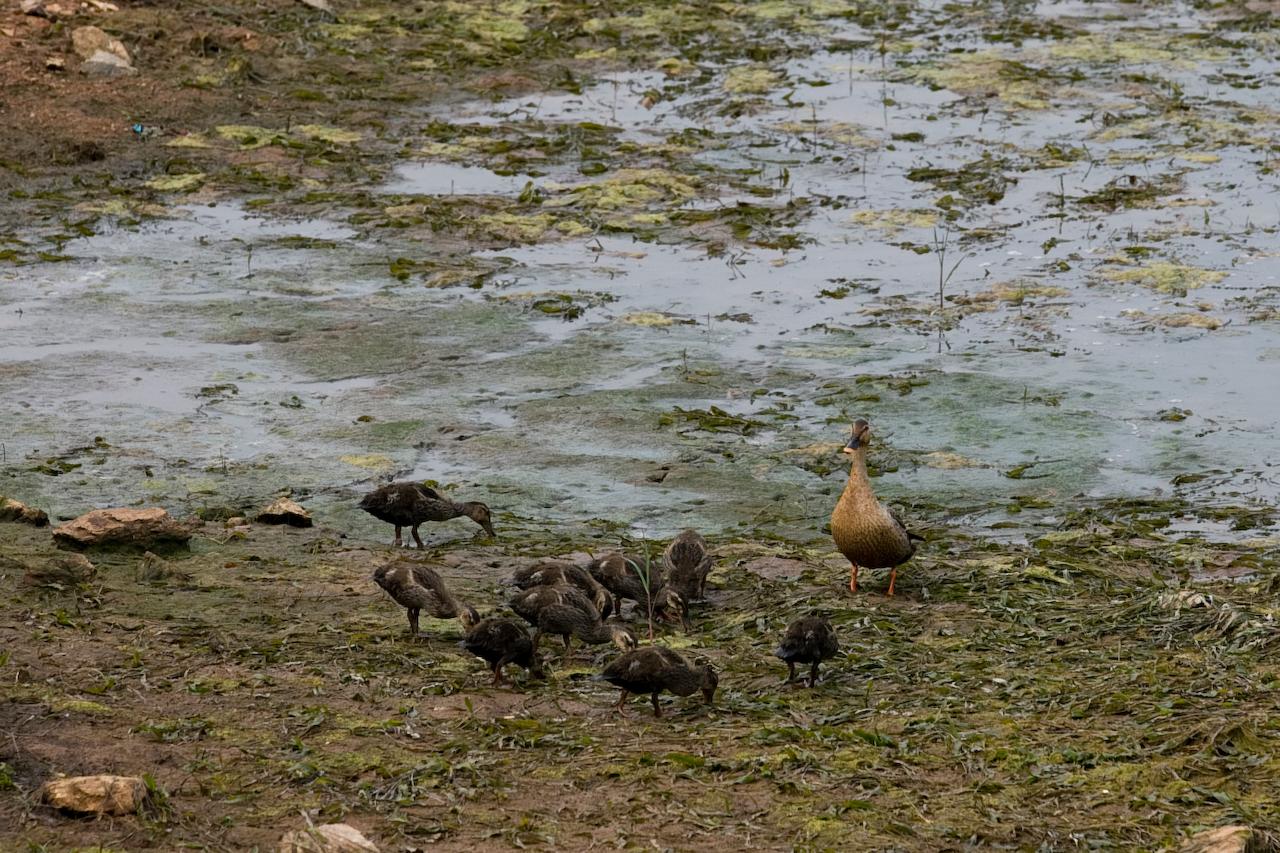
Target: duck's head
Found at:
x=861, y=436
x=479, y=513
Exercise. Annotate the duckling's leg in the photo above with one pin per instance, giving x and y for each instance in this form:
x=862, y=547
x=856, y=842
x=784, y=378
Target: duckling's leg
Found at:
x=791, y=672
x=497, y=674
x=621, y=700
x=413, y=621
x=417, y=538
x=395, y=543
x=813, y=674
x=853, y=576
x=537, y=638
x=568, y=644
x=657, y=712
x=893, y=575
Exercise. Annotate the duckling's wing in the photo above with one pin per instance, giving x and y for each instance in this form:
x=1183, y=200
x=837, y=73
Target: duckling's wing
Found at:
x=428, y=492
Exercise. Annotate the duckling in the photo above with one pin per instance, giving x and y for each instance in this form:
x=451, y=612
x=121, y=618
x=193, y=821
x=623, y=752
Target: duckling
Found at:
x=809, y=639
x=686, y=563
x=416, y=588
x=410, y=504
x=500, y=642
x=551, y=573
x=622, y=576
x=652, y=669
x=565, y=611
x=865, y=531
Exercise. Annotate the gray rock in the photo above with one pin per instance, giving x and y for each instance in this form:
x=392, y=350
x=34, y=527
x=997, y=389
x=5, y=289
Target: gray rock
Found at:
x=285, y=511
x=86, y=41
x=1223, y=839
x=67, y=570
x=143, y=528
x=11, y=510
x=330, y=838
x=115, y=795
x=107, y=65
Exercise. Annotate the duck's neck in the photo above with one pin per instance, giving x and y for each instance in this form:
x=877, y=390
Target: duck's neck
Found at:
x=685, y=681
x=858, y=482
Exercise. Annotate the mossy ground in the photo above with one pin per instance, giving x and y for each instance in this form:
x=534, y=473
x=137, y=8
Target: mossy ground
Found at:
x=1099, y=687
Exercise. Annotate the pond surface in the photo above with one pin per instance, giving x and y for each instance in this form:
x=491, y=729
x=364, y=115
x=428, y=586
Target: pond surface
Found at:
x=1044, y=268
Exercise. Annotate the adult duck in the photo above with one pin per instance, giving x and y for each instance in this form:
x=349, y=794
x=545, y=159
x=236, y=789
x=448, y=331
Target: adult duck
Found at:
x=867, y=532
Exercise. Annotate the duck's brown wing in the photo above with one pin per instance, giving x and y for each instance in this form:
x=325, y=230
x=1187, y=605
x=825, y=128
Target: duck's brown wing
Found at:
x=897, y=519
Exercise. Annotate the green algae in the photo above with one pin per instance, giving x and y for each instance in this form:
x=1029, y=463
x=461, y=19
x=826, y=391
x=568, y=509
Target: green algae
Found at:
x=1165, y=277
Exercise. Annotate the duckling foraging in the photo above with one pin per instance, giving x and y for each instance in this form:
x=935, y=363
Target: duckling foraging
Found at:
x=500, y=642
x=686, y=563
x=653, y=669
x=809, y=639
x=865, y=531
x=624, y=577
x=416, y=588
x=411, y=504
x=551, y=573
x=566, y=612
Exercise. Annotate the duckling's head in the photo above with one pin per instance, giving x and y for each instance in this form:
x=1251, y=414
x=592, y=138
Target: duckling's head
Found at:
x=469, y=618
x=861, y=436
x=623, y=638
x=710, y=680
x=479, y=513
x=603, y=602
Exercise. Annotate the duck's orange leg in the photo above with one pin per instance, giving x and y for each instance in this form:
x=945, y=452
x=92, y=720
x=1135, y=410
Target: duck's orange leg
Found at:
x=853, y=577
x=893, y=575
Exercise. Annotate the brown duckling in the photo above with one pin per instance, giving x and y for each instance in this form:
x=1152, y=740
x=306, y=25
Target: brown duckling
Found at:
x=623, y=577
x=500, y=642
x=417, y=588
x=552, y=573
x=867, y=532
x=809, y=639
x=565, y=611
x=652, y=669
x=411, y=504
x=686, y=564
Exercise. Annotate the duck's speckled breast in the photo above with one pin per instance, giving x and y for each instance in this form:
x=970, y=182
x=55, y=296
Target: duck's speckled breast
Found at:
x=867, y=535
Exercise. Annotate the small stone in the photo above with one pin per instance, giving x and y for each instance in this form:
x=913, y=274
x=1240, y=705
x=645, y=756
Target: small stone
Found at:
x=67, y=570
x=107, y=65
x=285, y=511
x=330, y=838
x=33, y=7
x=1224, y=839
x=322, y=5
x=11, y=510
x=86, y=41
x=55, y=63
x=114, y=795
x=143, y=528
x=235, y=521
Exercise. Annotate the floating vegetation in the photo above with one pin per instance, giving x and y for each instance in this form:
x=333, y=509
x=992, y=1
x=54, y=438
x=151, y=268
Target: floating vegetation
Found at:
x=1165, y=277
x=893, y=221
